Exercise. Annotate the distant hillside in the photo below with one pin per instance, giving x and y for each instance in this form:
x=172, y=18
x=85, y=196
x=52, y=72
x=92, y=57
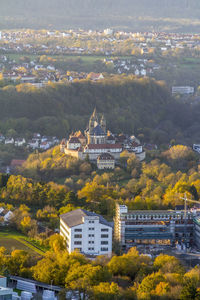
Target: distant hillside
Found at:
x=137, y=106
x=135, y=14
x=129, y=104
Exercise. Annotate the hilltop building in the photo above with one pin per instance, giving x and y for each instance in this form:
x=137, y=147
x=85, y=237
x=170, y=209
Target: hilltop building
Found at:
x=86, y=231
x=105, y=161
x=100, y=145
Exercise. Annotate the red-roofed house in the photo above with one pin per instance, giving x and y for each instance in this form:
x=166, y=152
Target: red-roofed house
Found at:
x=15, y=163
x=95, y=76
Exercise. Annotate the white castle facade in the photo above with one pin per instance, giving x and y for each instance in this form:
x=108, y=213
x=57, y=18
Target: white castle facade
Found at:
x=96, y=141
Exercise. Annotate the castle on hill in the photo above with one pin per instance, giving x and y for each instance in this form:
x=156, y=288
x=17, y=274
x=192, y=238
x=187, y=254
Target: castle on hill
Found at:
x=100, y=145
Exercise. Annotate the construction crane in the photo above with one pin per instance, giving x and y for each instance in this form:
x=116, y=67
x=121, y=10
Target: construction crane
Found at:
x=185, y=214
x=185, y=203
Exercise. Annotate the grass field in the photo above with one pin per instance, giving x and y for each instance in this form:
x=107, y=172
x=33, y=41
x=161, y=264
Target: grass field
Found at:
x=87, y=59
x=14, y=240
x=12, y=244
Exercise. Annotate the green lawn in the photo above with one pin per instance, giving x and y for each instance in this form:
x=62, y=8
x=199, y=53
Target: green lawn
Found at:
x=87, y=59
x=190, y=63
x=14, y=240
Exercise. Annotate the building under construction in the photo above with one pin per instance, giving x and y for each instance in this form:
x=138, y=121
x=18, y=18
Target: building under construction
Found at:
x=158, y=227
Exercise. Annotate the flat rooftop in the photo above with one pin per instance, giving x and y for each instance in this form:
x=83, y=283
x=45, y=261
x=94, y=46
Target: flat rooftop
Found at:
x=155, y=212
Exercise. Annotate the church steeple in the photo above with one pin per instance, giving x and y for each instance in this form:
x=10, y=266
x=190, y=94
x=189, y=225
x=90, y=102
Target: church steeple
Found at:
x=103, y=123
x=95, y=116
x=91, y=123
x=94, y=113
x=93, y=120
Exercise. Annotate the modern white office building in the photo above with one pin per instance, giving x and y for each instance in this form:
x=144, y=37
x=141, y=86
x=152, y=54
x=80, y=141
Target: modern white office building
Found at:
x=86, y=231
x=183, y=90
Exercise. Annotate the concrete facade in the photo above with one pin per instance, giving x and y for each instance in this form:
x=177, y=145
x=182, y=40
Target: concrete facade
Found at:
x=162, y=227
x=92, y=236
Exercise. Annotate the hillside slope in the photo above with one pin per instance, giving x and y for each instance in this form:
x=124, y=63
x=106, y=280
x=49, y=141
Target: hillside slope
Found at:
x=133, y=14
x=129, y=104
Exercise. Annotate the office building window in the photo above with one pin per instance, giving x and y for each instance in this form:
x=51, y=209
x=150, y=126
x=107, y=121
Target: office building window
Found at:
x=77, y=243
x=91, y=235
x=104, y=249
x=78, y=236
x=104, y=235
x=78, y=230
x=91, y=228
x=104, y=229
x=104, y=242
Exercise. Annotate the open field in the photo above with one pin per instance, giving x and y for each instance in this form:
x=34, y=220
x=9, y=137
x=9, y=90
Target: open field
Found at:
x=13, y=240
x=12, y=244
x=85, y=58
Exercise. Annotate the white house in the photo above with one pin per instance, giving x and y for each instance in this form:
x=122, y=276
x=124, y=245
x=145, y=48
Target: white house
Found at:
x=20, y=142
x=45, y=145
x=34, y=144
x=196, y=147
x=6, y=214
x=86, y=231
x=9, y=141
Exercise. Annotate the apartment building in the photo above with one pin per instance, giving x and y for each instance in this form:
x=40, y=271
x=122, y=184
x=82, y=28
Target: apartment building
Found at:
x=197, y=231
x=86, y=231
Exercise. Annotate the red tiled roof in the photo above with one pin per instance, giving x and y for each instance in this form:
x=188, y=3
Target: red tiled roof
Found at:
x=94, y=75
x=104, y=146
x=63, y=142
x=74, y=139
x=135, y=144
x=121, y=138
x=105, y=156
x=17, y=162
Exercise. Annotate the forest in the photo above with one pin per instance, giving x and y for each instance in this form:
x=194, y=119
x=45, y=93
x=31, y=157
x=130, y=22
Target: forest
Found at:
x=158, y=183
x=131, y=276
x=143, y=107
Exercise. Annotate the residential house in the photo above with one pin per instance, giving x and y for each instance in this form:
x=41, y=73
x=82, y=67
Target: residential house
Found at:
x=9, y=141
x=34, y=144
x=20, y=142
x=45, y=145
x=6, y=214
